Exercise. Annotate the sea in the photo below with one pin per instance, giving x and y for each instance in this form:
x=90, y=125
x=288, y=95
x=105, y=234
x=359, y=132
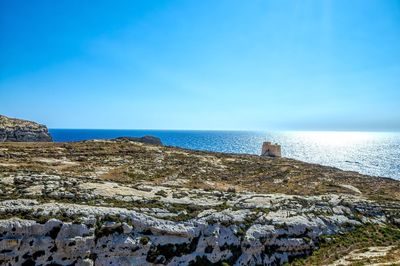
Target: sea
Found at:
x=371, y=153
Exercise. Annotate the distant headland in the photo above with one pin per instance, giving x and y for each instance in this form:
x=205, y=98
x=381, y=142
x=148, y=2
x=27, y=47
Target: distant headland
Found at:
x=13, y=129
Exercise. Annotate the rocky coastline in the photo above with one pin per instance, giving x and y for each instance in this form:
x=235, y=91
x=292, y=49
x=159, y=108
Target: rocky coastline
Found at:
x=130, y=202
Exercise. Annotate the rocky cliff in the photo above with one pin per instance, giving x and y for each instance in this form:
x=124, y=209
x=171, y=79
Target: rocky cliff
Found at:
x=12, y=129
x=251, y=230
x=129, y=203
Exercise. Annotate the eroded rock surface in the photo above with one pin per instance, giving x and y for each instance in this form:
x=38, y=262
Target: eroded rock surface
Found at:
x=129, y=203
x=240, y=233
x=12, y=129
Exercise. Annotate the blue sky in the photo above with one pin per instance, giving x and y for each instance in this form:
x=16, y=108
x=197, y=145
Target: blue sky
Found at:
x=210, y=64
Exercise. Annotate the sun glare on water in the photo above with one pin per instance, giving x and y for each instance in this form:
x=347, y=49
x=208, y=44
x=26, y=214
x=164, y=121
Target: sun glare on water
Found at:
x=332, y=138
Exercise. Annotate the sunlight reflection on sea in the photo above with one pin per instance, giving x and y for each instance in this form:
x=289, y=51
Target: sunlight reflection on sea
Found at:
x=369, y=153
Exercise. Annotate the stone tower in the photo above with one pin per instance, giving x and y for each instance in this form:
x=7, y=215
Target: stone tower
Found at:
x=271, y=150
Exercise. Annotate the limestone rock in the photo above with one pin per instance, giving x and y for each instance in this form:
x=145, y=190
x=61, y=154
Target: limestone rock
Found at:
x=146, y=139
x=119, y=236
x=12, y=129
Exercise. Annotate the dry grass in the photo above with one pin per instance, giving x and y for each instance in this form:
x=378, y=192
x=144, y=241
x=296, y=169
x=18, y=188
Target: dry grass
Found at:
x=137, y=163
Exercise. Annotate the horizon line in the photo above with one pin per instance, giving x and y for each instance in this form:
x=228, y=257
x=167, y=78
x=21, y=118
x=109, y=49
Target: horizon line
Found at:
x=233, y=130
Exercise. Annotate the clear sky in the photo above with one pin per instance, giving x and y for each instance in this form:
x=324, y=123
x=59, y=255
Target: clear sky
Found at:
x=202, y=64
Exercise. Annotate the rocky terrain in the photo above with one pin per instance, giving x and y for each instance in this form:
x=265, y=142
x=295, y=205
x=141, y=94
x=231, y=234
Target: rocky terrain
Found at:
x=123, y=202
x=12, y=129
x=145, y=139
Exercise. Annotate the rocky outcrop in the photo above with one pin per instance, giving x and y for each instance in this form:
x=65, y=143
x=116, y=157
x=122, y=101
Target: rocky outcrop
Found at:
x=12, y=129
x=145, y=139
x=291, y=227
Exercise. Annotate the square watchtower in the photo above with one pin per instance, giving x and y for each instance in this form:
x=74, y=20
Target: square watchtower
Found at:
x=271, y=150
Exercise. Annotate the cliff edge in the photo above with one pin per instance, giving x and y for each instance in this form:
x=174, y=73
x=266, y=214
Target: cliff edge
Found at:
x=18, y=130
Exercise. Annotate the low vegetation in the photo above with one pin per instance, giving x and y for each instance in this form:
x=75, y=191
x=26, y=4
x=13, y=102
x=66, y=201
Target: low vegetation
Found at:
x=350, y=247
x=135, y=163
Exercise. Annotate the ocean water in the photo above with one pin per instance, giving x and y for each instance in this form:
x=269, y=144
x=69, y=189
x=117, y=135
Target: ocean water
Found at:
x=369, y=153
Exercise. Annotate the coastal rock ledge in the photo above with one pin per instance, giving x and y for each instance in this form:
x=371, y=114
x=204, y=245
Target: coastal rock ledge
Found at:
x=12, y=129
